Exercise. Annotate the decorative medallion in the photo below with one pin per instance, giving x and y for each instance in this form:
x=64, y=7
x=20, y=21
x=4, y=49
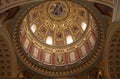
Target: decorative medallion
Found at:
x=58, y=10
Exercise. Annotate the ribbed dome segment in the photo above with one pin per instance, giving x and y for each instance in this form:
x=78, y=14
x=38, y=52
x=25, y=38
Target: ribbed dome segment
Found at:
x=58, y=32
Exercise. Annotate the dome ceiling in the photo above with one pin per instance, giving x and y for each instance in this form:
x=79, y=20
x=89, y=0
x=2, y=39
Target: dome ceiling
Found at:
x=58, y=33
x=58, y=23
x=57, y=38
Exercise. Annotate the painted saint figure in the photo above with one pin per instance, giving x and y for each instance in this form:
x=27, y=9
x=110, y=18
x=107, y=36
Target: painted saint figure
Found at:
x=57, y=9
x=60, y=60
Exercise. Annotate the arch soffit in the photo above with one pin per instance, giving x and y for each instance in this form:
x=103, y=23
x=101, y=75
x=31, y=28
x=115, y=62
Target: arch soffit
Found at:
x=5, y=35
x=5, y=6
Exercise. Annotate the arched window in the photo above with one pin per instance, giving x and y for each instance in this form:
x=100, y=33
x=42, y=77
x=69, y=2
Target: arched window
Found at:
x=83, y=25
x=49, y=40
x=33, y=28
x=69, y=39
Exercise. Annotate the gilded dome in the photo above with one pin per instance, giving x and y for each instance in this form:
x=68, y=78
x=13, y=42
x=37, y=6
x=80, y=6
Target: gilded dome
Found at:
x=58, y=33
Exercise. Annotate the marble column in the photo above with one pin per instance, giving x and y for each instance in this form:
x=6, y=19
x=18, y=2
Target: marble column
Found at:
x=116, y=11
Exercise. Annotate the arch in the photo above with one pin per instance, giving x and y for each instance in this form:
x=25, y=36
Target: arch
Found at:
x=5, y=6
x=111, y=52
x=107, y=2
x=8, y=61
